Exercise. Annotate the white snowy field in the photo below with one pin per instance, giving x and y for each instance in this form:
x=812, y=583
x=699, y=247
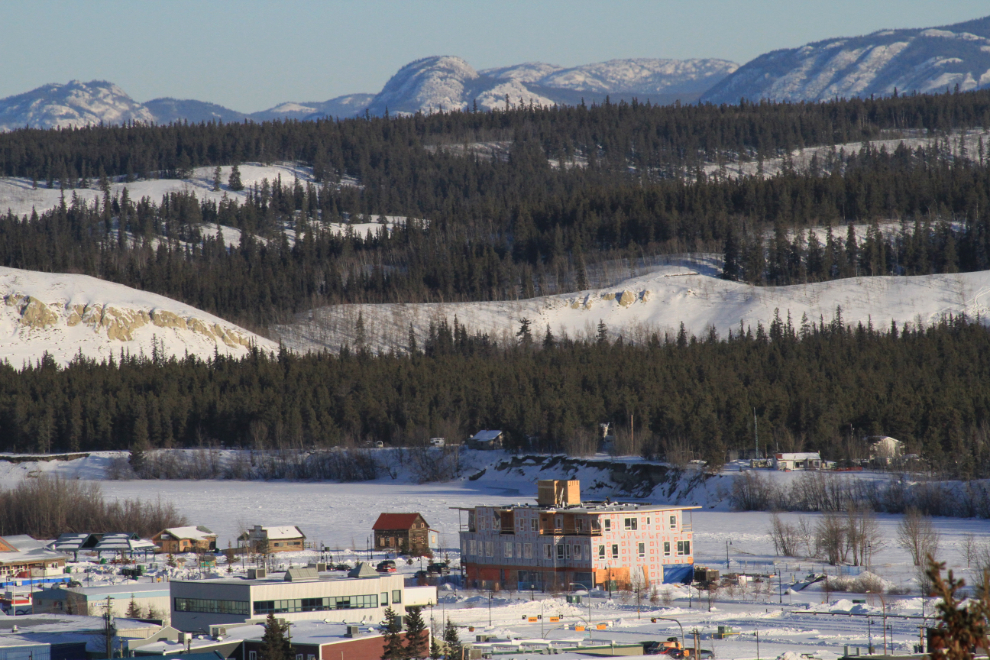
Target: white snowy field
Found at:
x=690, y=293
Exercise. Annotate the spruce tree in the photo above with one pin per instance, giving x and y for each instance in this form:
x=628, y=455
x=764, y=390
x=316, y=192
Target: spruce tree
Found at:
x=416, y=635
x=275, y=644
x=133, y=609
x=451, y=641
x=216, y=178
x=234, y=180
x=393, y=649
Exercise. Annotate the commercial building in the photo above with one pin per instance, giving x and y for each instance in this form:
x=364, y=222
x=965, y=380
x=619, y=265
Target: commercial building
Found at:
x=22, y=556
x=151, y=597
x=299, y=595
x=561, y=541
x=309, y=640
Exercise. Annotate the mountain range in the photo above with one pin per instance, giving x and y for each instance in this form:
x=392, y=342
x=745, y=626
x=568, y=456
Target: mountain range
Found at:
x=905, y=60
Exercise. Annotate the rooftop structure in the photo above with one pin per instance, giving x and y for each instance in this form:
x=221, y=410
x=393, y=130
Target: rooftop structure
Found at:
x=562, y=541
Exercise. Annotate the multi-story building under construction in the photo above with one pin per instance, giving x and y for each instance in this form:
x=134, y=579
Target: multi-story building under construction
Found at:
x=561, y=542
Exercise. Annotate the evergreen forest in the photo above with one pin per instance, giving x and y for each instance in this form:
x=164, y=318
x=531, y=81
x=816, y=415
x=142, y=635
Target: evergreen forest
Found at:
x=574, y=187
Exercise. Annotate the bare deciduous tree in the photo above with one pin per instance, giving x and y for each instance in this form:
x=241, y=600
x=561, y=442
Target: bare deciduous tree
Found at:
x=830, y=538
x=917, y=535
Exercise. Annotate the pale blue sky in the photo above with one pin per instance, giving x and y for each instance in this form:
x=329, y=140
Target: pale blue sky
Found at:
x=251, y=55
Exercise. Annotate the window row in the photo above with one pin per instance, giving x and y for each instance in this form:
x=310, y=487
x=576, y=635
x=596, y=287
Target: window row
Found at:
x=632, y=524
x=683, y=548
x=325, y=604
x=212, y=606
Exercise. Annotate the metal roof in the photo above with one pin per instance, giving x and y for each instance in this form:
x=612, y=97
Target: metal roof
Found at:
x=388, y=521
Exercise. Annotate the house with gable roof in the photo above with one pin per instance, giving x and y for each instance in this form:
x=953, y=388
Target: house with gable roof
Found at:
x=280, y=538
x=403, y=532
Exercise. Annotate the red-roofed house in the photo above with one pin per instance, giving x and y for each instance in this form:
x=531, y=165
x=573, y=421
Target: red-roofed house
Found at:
x=402, y=532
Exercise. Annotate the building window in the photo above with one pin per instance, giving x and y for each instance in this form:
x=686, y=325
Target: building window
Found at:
x=642, y=549
x=601, y=552
x=324, y=604
x=519, y=550
x=560, y=551
x=252, y=655
x=546, y=551
x=647, y=521
x=489, y=549
x=577, y=552
x=666, y=548
x=212, y=606
x=528, y=550
x=683, y=547
x=608, y=525
x=507, y=550
x=384, y=598
x=673, y=522
x=615, y=551
x=533, y=524
x=630, y=524
x=397, y=595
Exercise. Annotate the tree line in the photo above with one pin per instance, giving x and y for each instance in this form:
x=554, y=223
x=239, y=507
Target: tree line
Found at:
x=814, y=385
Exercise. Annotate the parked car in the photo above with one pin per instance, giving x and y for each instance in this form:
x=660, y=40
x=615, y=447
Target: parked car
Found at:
x=387, y=566
x=703, y=654
x=421, y=575
x=439, y=568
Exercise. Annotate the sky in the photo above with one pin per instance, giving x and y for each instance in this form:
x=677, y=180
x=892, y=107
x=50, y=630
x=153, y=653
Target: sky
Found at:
x=251, y=55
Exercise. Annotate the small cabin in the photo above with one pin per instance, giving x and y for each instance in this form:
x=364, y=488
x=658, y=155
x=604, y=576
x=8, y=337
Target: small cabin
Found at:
x=798, y=461
x=486, y=440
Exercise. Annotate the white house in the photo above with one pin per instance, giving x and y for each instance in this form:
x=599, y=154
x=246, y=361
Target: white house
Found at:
x=883, y=448
x=486, y=440
x=280, y=538
x=798, y=461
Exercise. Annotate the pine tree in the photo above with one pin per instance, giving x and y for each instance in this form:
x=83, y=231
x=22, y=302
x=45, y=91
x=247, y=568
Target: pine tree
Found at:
x=731, y=269
x=416, y=635
x=133, y=609
x=524, y=334
x=216, y=178
x=274, y=643
x=393, y=649
x=436, y=651
x=602, y=336
x=234, y=180
x=451, y=642
x=548, y=340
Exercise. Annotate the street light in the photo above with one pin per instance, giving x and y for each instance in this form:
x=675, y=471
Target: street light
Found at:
x=667, y=618
x=727, y=544
x=590, y=627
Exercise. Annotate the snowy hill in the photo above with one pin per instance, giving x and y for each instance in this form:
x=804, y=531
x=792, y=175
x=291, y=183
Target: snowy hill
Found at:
x=688, y=292
x=167, y=110
x=642, y=76
x=72, y=104
x=65, y=315
x=922, y=60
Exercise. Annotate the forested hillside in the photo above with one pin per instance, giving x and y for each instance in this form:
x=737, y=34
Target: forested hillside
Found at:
x=570, y=187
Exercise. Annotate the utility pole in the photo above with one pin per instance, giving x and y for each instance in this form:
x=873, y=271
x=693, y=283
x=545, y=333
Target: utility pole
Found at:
x=108, y=627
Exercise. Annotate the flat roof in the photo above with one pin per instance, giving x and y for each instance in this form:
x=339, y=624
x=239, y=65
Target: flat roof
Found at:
x=125, y=589
x=305, y=632
x=278, y=578
x=586, y=507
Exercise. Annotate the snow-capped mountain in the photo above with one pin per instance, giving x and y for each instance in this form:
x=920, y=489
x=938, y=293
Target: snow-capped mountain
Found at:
x=63, y=315
x=631, y=76
x=922, y=60
x=73, y=104
x=426, y=85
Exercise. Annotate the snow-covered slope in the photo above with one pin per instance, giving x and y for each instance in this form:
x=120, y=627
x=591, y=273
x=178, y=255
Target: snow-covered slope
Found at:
x=166, y=110
x=689, y=293
x=73, y=104
x=64, y=315
x=642, y=76
x=922, y=60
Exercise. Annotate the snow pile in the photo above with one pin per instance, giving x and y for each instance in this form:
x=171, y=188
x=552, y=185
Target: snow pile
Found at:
x=63, y=315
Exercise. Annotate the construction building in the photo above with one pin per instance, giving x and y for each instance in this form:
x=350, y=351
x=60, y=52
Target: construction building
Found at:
x=150, y=597
x=561, y=542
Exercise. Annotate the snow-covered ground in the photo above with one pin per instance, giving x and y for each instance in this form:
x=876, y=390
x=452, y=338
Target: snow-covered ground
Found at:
x=659, y=301
x=340, y=516
x=63, y=315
